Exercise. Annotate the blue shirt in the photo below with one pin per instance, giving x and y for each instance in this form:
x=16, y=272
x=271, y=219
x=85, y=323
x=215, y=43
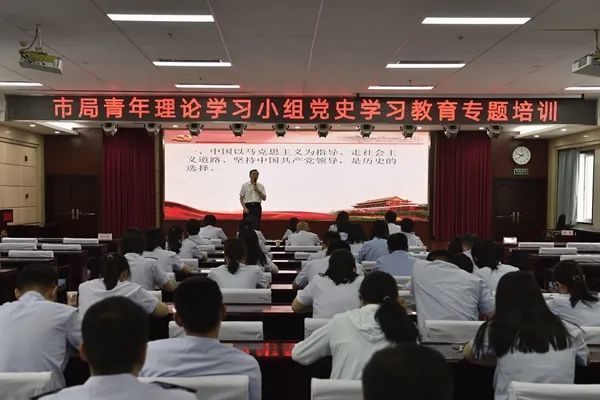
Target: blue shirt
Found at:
x=35, y=334
x=200, y=356
x=397, y=263
x=371, y=250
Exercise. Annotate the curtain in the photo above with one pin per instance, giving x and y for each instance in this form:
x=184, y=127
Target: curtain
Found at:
x=568, y=163
x=128, y=181
x=462, y=197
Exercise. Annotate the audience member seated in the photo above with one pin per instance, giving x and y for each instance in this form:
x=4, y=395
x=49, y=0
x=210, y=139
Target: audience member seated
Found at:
x=303, y=236
x=168, y=260
x=191, y=247
x=352, y=337
x=210, y=230
x=328, y=237
x=390, y=218
x=115, y=335
x=200, y=310
x=377, y=247
x=334, y=291
x=36, y=333
x=487, y=256
x=463, y=262
x=443, y=291
x=398, y=262
x=525, y=340
x=175, y=238
x=310, y=269
x=114, y=282
x=468, y=241
x=417, y=372
x=250, y=222
x=341, y=219
x=574, y=302
x=235, y=274
x=455, y=245
x=407, y=226
x=254, y=254
x=293, y=224
x=144, y=271
x=355, y=236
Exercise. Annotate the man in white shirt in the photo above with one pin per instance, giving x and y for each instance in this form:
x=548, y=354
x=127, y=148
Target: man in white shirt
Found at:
x=194, y=245
x=210, y=230
x=168, y=261
x=115, y=334
x=443, y=291
x=328, y=237
x=36, y=333
x=398, y=262
x=312, y=268
x=407, y=226
x=252, y=194
x=390, y=218
x=200, y=310
x=303, y=236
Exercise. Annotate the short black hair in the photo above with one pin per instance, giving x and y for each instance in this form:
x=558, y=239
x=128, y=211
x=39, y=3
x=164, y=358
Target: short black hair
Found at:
x=407, y=225
x=486, y=254
x=252, y=170
x=154, y=238
x=380, y=230
x=443, y=255
x=192, y=226
x=470, y=239
x=330, y=236
x=132, y=241
x=198, y=302
x=390, y=217
x=337, y=245
x=210, y=219
x=115, y=332
x=37, y=275
x=408, y=371
x=463, y=262
x=397, y=241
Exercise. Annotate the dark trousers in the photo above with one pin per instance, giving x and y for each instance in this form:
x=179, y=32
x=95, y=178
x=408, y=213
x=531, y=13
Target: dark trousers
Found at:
x=254, y=209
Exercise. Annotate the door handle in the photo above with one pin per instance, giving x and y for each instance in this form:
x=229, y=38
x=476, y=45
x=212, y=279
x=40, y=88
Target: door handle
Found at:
x=518, y=217
x=87, y=214
x=72, y=214
x=514, y=217
x=77, y=214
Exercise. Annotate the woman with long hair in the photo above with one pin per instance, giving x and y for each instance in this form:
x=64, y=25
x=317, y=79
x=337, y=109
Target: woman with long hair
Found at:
x=486, y=255
x=525, y=340
x=254, y=253
x=293, y=223
x=175, y=238
x=235, y=274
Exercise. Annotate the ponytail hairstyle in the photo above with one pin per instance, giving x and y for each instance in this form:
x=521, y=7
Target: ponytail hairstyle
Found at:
x=235, y=251
x=174, y=238
x=381, y=288
x=570, y=274
x=342, y=267
x=113, y=266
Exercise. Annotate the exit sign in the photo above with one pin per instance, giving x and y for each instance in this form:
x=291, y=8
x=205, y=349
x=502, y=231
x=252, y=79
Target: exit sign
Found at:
x=521, y=171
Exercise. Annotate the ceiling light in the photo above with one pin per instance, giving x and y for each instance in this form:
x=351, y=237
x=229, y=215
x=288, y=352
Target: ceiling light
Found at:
x=563, y=130
x=19, y=84
x=401, y=87
x=586, y=136
x=206, y=86
x=191, y=63
x=536, y=136
x=175, y=126
x=32, y=125
x=583, y=88
x=63, y=125
x=419, y=128
x=474, y=21
x=56, y=132
x=416, y=65
x=481, y=128
x=296, y=127
x=161, y=18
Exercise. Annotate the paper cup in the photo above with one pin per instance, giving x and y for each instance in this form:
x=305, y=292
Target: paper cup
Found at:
x=72, y=298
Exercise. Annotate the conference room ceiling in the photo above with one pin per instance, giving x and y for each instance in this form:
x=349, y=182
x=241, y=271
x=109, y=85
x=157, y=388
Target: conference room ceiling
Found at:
x=303, y=47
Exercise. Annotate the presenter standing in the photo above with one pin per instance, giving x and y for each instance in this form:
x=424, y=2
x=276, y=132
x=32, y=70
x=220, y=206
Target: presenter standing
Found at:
x=252, y=194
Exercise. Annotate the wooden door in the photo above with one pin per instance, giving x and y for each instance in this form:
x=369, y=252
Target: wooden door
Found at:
x=73, y=203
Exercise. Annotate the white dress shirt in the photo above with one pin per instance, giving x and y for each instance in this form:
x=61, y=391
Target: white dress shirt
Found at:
x=328, y=299
x=212, y=232
x=303, y=238
x=491, y=277
x=443, y=291
x=554, y=366
x=413, y=240
x=192, y=247
x=119, y=387
x=146, y=272
x=287, y=234
x=91, y=292
x=310, y=269
x=397, y=263
x=35, y=336
x=372, y=249
x=350, y=338
x=249, y=195
x=169, y=261
x=200, y=356
x=246, y=277
x=583, y=314
x=319, y=254
x=393, y=228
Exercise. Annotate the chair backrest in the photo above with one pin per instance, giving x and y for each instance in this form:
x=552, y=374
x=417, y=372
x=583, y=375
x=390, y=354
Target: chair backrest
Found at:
x=207, y=247
x=417, y=249
x=552, y=391
x=301, y=255
x=532, y=245
x=309, y=249
x=582, y=258
x=81, y=240
x=583, y=246
x=246, y=296
x=24, y=385
x=336, y=389
x=191, y=262
x=19, y=240
x=156, y=293
x=312, y=324
x=216, y=242
x=216, y=387
x=438, y=331
x=557, y=250
x=18, y=246
x=592, y=335
x=402, y=280
x=230, y=331
x=30, y=253
x=368, y=265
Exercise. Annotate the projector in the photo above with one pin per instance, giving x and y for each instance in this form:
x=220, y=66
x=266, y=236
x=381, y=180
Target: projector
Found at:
x=587, y=65
x=40, y=61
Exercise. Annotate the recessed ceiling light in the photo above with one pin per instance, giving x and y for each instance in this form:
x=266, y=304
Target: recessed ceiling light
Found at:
x=296, y=127
x=161, y=18
x=417, y=65
x=175, y=126
x=586, y=136
x=481, y=128
x=563, y=130
x=205, y=86
x=474, y=21
x=399, y=87
x=19, y=84
x=6, y=131
x=583, y=88
x=191, y=63
x=56, y=132
x=536, y=136
x=32, y=125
